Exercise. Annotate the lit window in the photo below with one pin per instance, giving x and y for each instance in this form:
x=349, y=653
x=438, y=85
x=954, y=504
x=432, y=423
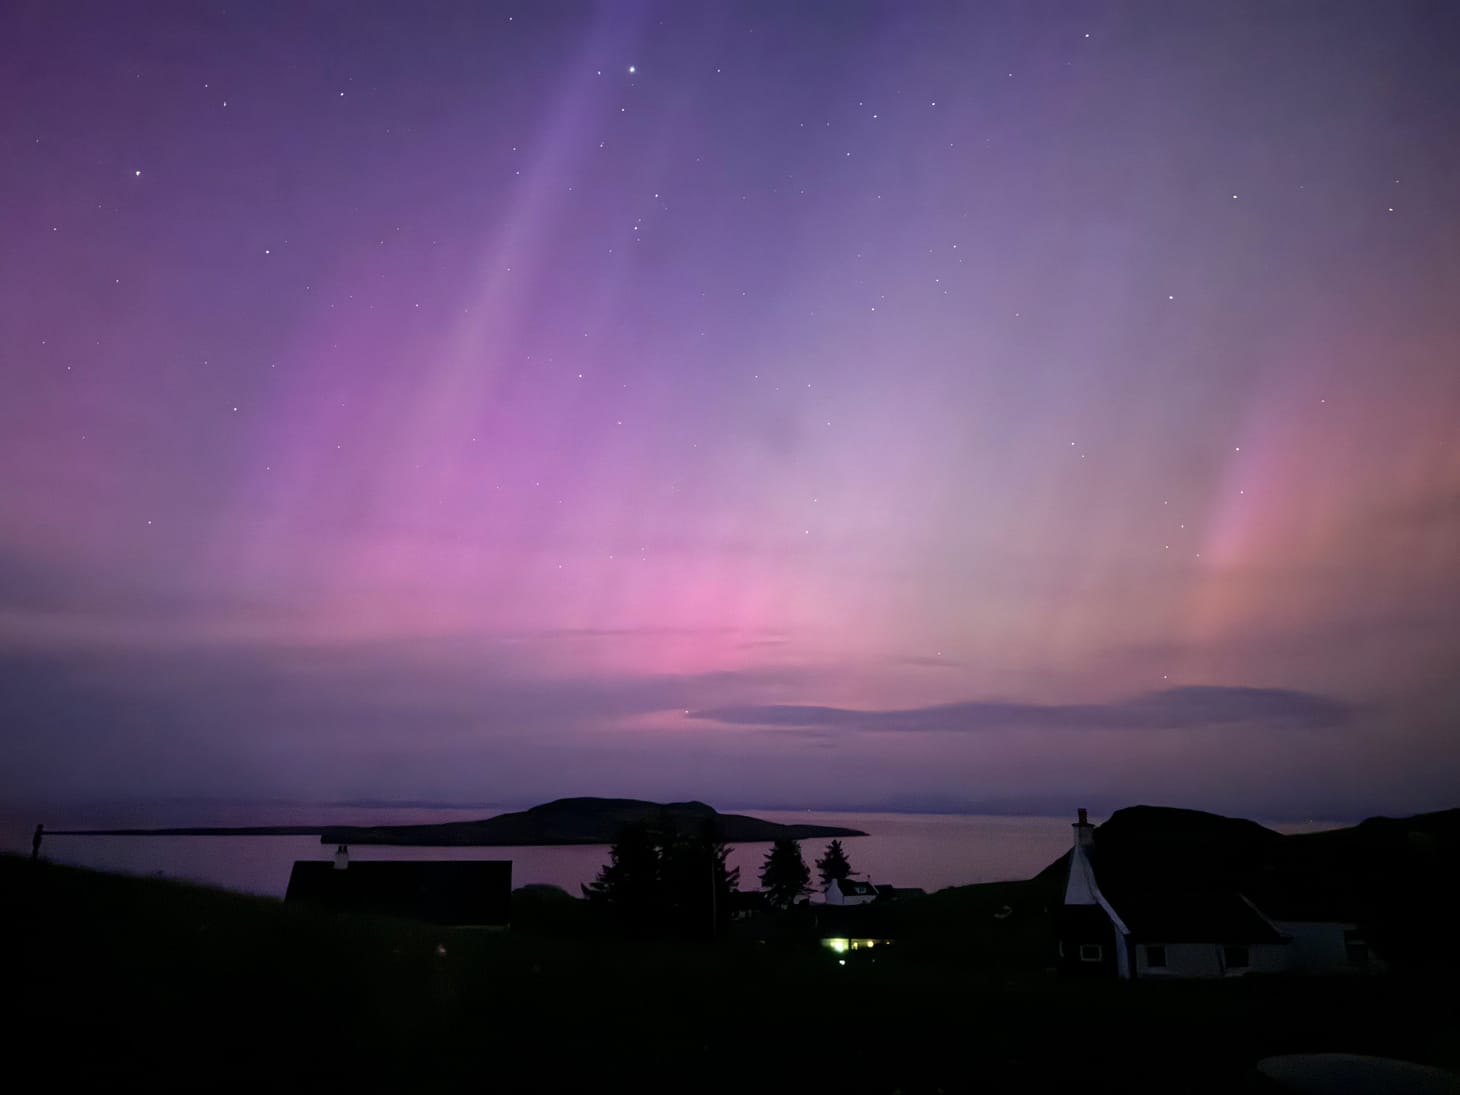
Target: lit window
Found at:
x=1091, y=952
x=1235, y=957
x=1155, y=956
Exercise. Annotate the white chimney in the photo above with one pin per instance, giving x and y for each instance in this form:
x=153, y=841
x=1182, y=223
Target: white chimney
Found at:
x=1080, y=889
x=1084, y=831
x=342, y=857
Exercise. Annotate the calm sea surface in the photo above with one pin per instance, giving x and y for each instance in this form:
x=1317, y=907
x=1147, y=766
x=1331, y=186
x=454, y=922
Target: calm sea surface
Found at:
x=927, y=850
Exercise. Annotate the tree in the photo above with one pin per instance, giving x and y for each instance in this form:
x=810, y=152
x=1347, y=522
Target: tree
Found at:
x=696, y=882
x=834, y=864
x=628, y=887
x=784, y=876
x=661, y=878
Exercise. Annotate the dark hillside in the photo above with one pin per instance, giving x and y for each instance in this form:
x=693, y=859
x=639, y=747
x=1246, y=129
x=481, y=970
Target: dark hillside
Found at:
x=132, y=983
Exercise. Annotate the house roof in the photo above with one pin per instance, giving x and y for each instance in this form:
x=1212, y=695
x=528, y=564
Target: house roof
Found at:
x=475, y=892
x=1175, y=903
x=1309, y=896
x=890, y=893
x=852, y=887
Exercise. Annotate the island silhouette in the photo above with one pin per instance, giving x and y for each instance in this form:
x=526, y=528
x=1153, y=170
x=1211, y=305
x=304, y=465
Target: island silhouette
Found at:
x=562, y=821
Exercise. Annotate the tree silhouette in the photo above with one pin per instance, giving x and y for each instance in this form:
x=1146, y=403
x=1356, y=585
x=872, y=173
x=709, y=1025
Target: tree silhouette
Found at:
x=784, y=875
x=628, y=887
x=834, y=864
x=696, y=883
x=661, y=879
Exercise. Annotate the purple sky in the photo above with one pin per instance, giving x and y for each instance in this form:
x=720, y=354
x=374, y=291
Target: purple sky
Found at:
x=910, y=405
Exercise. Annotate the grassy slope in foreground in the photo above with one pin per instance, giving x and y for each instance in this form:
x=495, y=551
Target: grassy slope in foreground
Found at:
x=129, y=981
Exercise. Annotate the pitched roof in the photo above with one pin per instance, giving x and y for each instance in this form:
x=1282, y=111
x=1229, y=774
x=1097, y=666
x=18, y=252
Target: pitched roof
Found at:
x=474, y=892
x=1310, y=896
x=852, y=887
x=891, y=893
x=1163, y=902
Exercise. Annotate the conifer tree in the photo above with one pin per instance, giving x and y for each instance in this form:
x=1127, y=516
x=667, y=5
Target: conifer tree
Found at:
x=628, y=887
x=834, y=864
x=784, y=875
x=696, y=881
x=661, y=879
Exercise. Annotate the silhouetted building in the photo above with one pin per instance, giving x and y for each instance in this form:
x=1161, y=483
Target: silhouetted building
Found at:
x=459, y=893
x=1138, y=914
x=895, y=893
x=850, y=891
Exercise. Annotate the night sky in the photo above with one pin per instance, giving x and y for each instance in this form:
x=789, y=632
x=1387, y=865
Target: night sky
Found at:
x=1007, y=407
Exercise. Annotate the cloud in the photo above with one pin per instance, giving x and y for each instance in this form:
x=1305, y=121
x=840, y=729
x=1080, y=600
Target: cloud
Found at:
x=1170, y=709
x=238, y=716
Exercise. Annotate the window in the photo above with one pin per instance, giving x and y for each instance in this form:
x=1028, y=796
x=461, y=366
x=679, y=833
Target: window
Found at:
x=1235, y=957
x=1091, y=952
x=1155, y=956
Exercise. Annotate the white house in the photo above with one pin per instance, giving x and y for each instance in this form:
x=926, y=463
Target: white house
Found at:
x=849, y=891
x=1133, y=920
x=1326, y=946
x=1322, y=927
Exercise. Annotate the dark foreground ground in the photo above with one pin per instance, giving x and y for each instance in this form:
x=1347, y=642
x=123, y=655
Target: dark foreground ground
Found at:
x=117, y=982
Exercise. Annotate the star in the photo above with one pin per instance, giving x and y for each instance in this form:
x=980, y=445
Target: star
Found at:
x=633, y=69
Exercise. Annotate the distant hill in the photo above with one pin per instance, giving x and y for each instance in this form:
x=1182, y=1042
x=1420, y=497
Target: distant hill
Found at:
x=564, y=821
x=1237, y=847
x=581, y=821
x=1176, y=837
